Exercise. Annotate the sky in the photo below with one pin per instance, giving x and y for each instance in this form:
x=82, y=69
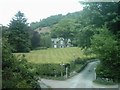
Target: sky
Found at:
x=35, y=10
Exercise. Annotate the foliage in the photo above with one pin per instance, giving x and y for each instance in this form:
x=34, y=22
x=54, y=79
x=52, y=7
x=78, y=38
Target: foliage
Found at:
x=49, y=21
x=49, y=69
x=83, y=37
x=35, y=40
x=45, y=40
x=52, y=20
x=107, y=47
x=95, y=15
x=19, y=34
x=65, y=28
x=16, y=72
x=34, y=25
x=103, y=13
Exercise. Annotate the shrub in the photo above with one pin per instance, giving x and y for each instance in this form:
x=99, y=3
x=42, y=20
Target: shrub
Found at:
x=16, y=71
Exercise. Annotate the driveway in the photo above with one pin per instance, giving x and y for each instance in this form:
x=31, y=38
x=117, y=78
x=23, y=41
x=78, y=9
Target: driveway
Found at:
x=82, y=80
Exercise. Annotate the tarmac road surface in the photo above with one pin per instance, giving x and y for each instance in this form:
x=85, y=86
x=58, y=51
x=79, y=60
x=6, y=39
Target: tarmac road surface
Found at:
x=82, y=80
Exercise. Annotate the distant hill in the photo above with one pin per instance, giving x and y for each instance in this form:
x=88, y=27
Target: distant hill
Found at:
x=50, y=21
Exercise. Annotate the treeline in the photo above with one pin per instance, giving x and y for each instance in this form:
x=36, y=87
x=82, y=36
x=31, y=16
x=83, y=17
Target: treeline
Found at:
x=47, y=22
x=50, y=21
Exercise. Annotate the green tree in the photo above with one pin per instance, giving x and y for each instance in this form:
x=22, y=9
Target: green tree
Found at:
x=19, y=37
x=65, y=28
x=35, y=40
x=100, y=13
x=45, y=40
x=107, y=47
x=83, y=37
x=16, y=71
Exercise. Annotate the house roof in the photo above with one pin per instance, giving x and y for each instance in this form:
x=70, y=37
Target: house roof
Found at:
x=57, y=39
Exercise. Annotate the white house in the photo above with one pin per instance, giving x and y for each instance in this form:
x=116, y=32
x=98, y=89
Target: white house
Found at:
x=60, y=42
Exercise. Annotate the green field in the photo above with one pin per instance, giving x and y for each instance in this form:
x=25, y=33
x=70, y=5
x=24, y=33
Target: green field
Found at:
x=54, y=55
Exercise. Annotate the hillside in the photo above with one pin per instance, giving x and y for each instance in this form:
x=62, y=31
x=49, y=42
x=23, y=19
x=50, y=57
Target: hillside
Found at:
x=54, y=19
x=47, y=22
x=43, y=30
x=52, y=55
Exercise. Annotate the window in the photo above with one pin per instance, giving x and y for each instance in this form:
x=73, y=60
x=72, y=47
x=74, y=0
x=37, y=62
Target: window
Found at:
x=55, y=46
x=52, y=41
x=61, y=42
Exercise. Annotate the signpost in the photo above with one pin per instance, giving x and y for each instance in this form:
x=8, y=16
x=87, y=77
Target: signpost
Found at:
x=62, y=65
x=66, y=72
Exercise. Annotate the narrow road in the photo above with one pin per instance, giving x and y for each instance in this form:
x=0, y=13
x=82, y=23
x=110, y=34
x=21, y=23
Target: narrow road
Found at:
x=82, y=80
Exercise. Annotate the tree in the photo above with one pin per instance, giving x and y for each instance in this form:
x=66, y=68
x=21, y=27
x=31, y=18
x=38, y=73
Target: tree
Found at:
x=35, y=40
x=83, y=37
x=105, y=43
x=107, y=47
x=65, y=28
x=100, y=13
x=19, y=33
x=45, y=40
x=16, y=71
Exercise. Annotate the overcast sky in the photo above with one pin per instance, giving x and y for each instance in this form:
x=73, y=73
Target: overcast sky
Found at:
x=35, y=10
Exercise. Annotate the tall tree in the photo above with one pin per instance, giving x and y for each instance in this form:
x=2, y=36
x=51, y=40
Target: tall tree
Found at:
x=19, y=33
x=65, y=28
x=106, y=42
x=106, y=46
x=100, y=13
x=83, y=37
x=45, y=40
x=35, y=40
x=16, y=71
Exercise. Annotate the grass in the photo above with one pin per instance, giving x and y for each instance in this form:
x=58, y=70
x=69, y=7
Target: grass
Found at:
x=45, y=60
x=54, y=55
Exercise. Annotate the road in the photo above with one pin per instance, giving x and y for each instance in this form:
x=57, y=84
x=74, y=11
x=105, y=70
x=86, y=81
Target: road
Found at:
x=81, y=80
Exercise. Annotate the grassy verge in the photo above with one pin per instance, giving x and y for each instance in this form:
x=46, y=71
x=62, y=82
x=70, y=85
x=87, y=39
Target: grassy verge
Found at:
x=104, y=82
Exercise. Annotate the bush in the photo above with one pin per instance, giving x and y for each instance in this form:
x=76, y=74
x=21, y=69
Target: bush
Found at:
x=16, y=71
x=40, y=48
x=80, y=61
x=49, y=69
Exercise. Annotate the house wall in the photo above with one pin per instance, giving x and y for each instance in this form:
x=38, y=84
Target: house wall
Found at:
x=60, y=43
